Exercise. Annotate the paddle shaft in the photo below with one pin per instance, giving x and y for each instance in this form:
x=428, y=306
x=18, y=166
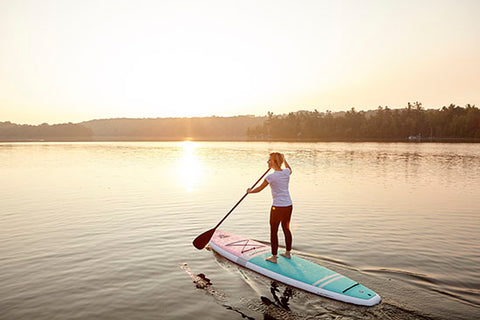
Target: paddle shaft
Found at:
x=202, y=240
x=246, y=193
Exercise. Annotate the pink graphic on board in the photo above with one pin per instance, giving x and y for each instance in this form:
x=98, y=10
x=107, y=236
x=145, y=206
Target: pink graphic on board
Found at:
x=238, y=246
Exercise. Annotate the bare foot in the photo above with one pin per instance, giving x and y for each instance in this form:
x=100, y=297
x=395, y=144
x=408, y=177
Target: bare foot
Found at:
x=272, y=259
x=286, y=254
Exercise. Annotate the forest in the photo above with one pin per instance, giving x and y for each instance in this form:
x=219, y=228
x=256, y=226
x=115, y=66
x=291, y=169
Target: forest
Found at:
x=414, y=123
x=198, y=128
x=57, y=132
x=125, y=129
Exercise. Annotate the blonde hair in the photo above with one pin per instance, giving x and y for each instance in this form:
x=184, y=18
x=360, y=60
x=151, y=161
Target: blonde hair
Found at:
x=277, y=158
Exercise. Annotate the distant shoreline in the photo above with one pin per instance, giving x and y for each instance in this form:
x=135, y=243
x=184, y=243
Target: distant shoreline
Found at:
x=179, y=139
x=452, y=124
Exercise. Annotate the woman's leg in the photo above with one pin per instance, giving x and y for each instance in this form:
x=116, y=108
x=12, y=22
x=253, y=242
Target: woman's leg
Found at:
x=286, y=227
x=274, y=223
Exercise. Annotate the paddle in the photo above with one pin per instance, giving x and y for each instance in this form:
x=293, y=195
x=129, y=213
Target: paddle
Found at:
x=202, y=240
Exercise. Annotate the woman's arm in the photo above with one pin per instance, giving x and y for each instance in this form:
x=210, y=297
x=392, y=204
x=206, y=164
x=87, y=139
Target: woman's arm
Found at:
x=286, y=163
x=259, y=188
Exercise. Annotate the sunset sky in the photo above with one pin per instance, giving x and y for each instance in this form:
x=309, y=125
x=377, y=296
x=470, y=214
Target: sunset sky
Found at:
x=70, y=61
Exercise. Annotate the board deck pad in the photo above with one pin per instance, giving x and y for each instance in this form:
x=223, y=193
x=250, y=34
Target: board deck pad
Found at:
x=296, y=271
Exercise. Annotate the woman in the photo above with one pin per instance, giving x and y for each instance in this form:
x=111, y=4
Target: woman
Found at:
x=281, y=210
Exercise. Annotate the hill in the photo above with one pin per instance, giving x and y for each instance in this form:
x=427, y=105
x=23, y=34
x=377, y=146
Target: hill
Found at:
x=201, y=128
x=412, y=123
x=123, y=129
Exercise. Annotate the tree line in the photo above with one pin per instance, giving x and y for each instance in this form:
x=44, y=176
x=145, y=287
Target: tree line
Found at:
x=58, y=132
x=198, y=128
x=384, y=124
x=452, y=123
x=124, y=129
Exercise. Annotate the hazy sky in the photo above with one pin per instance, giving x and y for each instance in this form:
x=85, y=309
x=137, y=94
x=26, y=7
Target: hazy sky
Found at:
x=65, y=60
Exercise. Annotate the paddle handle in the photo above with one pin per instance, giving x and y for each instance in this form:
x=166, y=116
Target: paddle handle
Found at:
x=246, y=193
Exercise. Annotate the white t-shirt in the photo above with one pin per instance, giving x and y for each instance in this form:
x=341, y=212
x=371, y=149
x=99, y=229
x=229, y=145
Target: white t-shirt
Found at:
x=278, y=181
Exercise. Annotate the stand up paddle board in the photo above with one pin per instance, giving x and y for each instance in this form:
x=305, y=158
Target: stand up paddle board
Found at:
x=296, y=272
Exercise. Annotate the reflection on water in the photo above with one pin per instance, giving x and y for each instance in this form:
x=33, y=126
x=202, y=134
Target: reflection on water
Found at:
x=98, y=230
x=281, y=301
x=189, y=167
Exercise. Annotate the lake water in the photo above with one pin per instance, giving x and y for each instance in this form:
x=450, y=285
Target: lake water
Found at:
x=104, y=230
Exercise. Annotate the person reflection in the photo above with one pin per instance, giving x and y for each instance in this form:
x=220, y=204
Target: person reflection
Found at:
x=281, y=301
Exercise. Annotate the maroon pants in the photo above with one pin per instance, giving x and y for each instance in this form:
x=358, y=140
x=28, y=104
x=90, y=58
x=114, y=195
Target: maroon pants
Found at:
x=280, y=215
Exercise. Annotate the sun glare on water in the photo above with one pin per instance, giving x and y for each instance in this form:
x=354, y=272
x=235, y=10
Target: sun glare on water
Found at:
x=189, y=170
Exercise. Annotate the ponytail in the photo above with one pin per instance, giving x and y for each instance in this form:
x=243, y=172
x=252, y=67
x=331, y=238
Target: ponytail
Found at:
x=277, y=158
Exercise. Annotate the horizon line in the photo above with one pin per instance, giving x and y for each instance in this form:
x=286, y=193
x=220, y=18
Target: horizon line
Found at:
x=234, y=116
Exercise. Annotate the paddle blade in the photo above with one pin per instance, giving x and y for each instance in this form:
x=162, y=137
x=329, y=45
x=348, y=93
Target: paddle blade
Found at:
x=202, y=240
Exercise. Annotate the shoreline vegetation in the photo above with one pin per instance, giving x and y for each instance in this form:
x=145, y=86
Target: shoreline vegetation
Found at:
x=410, y=124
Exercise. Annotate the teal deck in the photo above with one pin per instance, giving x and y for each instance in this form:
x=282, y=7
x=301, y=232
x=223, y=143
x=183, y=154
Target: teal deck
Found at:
x=313, y=274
